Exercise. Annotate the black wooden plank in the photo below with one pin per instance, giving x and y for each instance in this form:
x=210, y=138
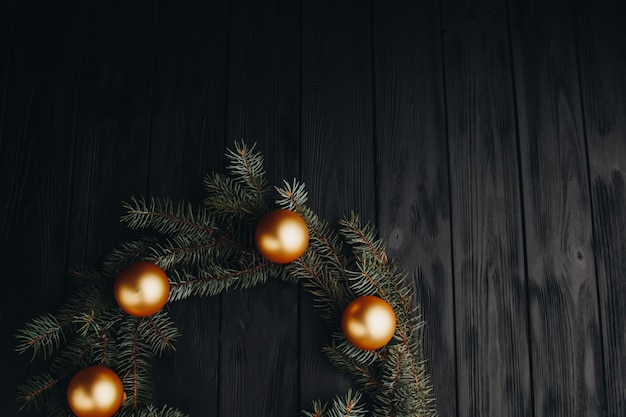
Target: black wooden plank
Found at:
x=7, y=19
x=113, y=147
x=565, y=348
x=412, y=159
x=39, y=118
x=491, y=309
x=601, y=46
x=259, y=355
x=338, y=152
x=187, y=142
x=111, y=159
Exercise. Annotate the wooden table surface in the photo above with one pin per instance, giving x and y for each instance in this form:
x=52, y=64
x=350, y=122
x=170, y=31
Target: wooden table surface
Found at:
x=485, y=139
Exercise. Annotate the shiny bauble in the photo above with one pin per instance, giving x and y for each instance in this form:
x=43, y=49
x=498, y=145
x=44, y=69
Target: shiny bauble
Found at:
x=368, y=322
x=95, y=391
x=281, y=236
x=141, y=289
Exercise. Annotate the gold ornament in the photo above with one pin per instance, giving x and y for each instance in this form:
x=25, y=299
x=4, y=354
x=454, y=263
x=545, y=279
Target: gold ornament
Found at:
x=368, y=322
x=281, y=236
x=95, y=391
x=141, y=289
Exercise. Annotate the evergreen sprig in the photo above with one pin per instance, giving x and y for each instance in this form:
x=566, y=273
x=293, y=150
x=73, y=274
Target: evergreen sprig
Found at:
x=208, y=249
x=323, y=267
x=243, y=195
x=215, y=278
x=347, y=406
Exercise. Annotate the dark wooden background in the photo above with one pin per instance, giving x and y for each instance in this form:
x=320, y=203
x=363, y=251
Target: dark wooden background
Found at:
x=485, y=139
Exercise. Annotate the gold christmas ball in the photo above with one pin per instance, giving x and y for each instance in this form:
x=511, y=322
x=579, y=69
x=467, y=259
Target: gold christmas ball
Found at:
x=368, y=322
x=141, y=289
x=281, y=236
x=95, y=391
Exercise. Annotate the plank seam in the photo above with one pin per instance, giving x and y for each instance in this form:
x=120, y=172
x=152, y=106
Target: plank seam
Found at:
x=221, y=302
x=72, y=179
x=450, y=208
x=522, y=206
x=583, y=112
x=151, y=101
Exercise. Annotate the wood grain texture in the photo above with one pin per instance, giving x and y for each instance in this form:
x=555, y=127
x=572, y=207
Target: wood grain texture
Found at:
x=565, y=348
x=601, y=46
x=113, y=135
x=485, y=138
x=413, y=185
x=187, y=135
x=36, y=159
x=7, y=20
x=259, y=356
x=489, y=276
x=337, y=150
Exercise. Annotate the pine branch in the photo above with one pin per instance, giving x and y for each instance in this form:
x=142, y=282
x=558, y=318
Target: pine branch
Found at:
x=105, y=349
x=135, y=363
x=229, y=200
x=214, y=279
x=126, y=254
x=172, y=253
x=152, y=411
x=322, y=282
x=402, y=396
x=363, y=239
x=46, y=333
x=43, y=334
x=360, y=364
x=194, y=238
x=374, y=266
x=374, y=275
x=319, y=410
x=321, y=238
x=347, y=406
x=246, y=166
x=34, y=393
x=76, y=353
x=322, y=267
x=292, y=196
x=159, y=332
x=164, y=217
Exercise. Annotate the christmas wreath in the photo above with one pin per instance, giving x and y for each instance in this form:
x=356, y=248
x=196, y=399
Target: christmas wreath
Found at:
x=105, y=335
